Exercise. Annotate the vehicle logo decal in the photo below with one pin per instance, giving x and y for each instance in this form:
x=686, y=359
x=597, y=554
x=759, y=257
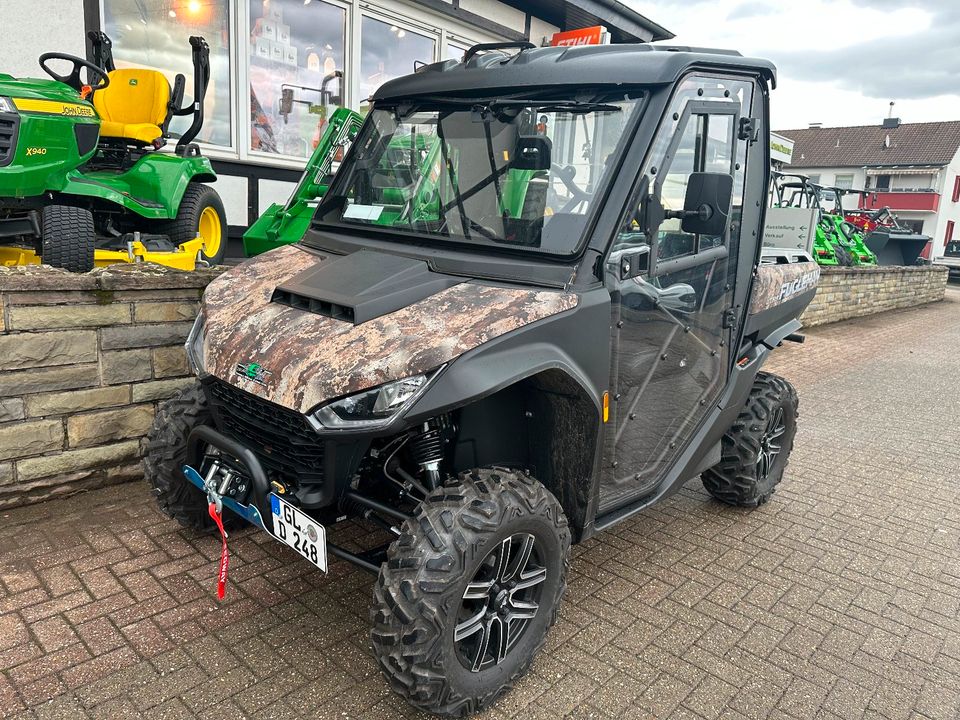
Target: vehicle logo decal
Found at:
x=253, y=371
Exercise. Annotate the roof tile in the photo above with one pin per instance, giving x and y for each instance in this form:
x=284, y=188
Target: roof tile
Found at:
x=932, y=143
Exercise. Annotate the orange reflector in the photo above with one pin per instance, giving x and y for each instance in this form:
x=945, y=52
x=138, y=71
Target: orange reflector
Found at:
x=606, y=406
x=743, y=361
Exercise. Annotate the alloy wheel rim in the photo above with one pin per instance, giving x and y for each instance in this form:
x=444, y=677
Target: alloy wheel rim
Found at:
x=210, y=231
x=770, y=444
x=499, y=603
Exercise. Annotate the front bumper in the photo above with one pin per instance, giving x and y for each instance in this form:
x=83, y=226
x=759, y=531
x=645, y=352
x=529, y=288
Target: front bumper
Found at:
x=257, y=507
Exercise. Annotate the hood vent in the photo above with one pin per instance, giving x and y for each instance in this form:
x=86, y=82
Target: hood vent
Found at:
x=362, y=286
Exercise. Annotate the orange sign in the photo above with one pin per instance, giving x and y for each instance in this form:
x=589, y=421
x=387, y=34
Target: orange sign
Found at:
x=596, y=35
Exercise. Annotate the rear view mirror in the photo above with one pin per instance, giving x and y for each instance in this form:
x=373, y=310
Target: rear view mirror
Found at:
x=533, y=153
x=706, y=205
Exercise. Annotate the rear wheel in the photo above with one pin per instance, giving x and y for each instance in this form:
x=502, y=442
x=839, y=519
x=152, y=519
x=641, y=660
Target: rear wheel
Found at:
x=755, y=449
x=200, y=213
x=68, y=238
x=469, y=591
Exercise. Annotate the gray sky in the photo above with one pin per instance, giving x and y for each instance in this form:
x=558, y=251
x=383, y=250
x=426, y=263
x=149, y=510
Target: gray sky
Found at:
x=839, y=62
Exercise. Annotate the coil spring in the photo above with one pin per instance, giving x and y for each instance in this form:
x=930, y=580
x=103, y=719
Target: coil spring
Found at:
x=427, y=447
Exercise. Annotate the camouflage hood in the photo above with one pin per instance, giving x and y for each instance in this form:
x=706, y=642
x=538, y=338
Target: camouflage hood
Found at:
x=307, y=358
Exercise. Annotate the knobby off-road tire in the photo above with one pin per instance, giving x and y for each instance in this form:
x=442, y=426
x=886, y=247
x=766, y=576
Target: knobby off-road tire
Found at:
x=444, y=553
x=756, y=448
x=167, y=452
x=844, y=256
x=196, y=199
x=68, y=238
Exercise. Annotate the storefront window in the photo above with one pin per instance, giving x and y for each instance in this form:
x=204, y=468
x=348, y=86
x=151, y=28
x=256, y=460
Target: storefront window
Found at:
x=155, y=34
x=389, y=51
x=296, y=51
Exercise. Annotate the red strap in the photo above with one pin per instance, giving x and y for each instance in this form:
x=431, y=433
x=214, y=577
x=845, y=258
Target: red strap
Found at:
x=224, y=554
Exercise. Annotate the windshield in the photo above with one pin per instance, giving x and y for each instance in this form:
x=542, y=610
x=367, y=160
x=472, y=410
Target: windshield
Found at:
x=519, y=174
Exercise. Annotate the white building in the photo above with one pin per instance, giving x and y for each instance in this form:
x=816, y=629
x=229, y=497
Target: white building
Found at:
x=913, y=168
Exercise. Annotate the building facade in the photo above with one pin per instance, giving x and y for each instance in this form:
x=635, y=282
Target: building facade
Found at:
x=912, y=168
x=328, y=52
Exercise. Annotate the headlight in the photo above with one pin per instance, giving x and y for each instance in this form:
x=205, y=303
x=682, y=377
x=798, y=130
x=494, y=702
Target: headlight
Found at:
x=6, y=105
x=194, y=345
x=374, y=407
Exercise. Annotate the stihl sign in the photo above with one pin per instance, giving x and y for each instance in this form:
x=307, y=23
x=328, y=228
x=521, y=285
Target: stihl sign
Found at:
x=596, y=35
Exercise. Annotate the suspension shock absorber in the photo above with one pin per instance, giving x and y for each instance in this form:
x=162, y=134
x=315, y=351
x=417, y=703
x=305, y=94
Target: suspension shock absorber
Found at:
x=426, y=448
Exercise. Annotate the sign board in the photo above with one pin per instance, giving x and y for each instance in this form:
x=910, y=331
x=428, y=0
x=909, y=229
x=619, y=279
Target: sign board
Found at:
x=595, y=35
x=781, y=148
x=790, y=227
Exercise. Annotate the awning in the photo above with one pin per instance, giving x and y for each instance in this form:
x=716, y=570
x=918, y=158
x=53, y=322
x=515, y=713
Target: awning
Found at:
x=929, y=170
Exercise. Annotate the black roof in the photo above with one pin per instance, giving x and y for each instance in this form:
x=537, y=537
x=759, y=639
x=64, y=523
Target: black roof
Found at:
x=601, y=65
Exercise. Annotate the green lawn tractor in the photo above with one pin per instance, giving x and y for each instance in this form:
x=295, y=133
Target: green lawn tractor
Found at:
x=83, y=181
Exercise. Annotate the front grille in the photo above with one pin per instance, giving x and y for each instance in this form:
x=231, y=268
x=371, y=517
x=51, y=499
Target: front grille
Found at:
x=9, y=124
x=282, y=439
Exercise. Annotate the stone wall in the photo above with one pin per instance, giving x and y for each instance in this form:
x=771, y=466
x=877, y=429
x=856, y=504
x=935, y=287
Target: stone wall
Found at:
x=83, y=361
x=848, y=292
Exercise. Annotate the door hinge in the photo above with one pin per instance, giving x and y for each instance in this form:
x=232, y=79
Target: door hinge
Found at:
x=730, y=317
x=749, y=129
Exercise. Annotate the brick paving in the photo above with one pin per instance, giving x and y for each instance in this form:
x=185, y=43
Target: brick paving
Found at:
x=838, y=599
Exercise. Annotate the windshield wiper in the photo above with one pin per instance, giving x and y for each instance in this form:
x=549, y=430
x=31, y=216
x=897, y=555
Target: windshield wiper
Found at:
x=571, y=106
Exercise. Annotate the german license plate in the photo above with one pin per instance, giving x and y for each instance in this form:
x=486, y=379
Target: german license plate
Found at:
x=298, y=530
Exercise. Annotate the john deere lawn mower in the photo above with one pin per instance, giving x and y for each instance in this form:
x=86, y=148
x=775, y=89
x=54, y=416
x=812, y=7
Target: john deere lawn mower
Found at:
x=83, y=181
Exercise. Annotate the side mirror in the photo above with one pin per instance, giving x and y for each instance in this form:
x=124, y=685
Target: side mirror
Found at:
x=286, y=103
x=533, y=153
x=706, y=205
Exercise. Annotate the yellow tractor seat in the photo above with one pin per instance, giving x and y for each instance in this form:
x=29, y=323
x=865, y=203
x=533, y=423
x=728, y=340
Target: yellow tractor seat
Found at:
x=134, y=106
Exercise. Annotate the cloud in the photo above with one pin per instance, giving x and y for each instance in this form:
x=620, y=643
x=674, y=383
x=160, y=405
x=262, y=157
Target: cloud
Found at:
x=920, y=65
x=751, y=9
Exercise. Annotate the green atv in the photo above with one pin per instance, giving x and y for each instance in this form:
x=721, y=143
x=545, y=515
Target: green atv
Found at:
x=82, y=181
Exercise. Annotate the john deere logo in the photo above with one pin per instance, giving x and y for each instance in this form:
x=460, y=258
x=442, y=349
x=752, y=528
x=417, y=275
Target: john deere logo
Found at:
x=253, y=371
x=133, y=81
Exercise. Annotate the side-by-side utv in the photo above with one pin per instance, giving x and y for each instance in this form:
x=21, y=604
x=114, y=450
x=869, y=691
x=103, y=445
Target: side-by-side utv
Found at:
x=83, y=181
x=530, y=304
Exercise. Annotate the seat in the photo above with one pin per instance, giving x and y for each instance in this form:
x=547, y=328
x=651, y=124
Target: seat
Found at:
x=134, y=106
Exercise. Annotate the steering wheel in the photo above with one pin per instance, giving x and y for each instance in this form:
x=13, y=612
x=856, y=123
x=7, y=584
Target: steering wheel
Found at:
x=73, y=79
x=566, y=174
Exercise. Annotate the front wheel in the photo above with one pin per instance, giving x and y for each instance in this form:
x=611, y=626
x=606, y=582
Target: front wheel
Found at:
x=165, y=454
x=755, y=449
x=469, y=591
x=200, y=214
x=68, y=239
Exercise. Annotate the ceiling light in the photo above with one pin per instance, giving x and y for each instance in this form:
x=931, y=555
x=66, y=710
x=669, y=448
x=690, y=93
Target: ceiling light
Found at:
x=172, y=13
x=194, y=6
x=401, y=34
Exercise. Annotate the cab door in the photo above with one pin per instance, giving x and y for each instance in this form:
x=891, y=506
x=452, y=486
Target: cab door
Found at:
x=673, y=323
